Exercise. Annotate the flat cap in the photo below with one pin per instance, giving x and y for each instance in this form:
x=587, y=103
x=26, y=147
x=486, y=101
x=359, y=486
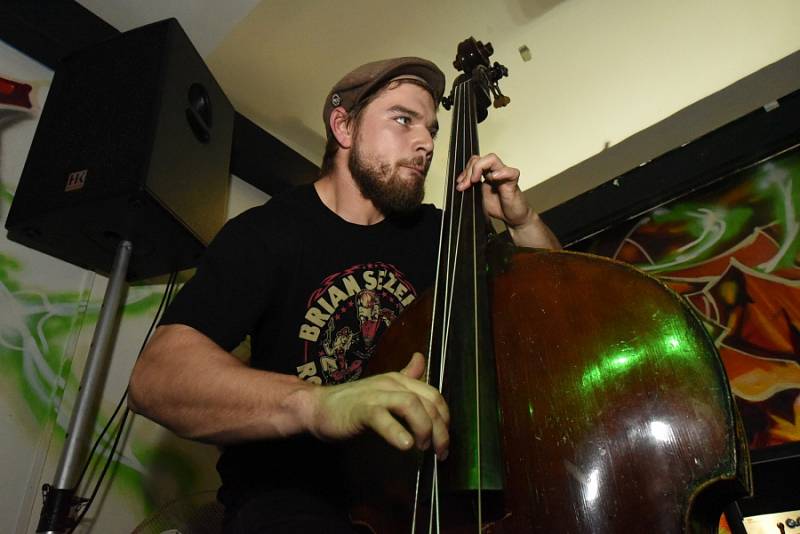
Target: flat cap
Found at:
x=361, y=82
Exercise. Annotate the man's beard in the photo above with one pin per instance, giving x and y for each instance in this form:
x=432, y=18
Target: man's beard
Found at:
x=382, y=184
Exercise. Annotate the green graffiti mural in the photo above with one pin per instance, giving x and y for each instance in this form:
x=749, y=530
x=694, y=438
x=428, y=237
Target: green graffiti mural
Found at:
x=39, y=334
x=37, y=339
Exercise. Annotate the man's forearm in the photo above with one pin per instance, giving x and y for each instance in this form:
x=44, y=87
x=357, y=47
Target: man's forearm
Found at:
x=187, y=383
x=534, y=233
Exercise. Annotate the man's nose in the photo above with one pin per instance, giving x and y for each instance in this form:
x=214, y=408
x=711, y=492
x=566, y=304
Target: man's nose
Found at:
x=424, y=142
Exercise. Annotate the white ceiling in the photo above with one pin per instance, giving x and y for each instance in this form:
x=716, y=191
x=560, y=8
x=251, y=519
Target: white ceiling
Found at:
x=277, y=59
x=207, y=22
x=602, y=70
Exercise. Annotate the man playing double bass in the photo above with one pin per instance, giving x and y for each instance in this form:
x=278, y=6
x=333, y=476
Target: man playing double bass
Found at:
x=314, y=277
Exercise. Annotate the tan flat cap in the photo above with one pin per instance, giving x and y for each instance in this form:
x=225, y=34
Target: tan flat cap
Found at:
x=360, y=83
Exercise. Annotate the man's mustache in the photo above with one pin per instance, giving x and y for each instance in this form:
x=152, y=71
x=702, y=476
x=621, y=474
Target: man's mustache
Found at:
x=418, y=162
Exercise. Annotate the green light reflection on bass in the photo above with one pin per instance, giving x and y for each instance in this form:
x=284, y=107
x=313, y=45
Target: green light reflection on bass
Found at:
x=673, y=341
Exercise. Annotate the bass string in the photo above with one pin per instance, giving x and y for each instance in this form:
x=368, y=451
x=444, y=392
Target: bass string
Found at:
x=463, y=129
x=436, y=288
x=469, y=147
x=443, y=283
x=460, y=161
x=466, y=133
x=446, y=222
x=433, y=327
x=462, y=97
x=448, y=202
x=477, y=211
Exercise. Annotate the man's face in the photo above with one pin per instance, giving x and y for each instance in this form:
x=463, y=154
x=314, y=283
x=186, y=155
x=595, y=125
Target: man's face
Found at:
x=393, y=146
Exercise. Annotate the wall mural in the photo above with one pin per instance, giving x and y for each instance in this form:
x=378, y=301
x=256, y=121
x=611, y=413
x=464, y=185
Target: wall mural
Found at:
x=49, y=311
x=732, y=252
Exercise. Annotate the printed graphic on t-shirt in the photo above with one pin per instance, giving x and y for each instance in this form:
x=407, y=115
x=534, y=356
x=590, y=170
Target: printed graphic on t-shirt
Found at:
x=345, y=317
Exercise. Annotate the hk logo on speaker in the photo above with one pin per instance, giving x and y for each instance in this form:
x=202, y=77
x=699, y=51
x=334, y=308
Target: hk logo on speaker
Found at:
x=76, y=180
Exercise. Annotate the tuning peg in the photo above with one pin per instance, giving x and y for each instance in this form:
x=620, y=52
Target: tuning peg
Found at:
x=447, y=102
x=498, y=71
x=501, y=101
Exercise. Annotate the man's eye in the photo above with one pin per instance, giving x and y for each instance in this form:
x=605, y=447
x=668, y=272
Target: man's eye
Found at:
x=403, y=120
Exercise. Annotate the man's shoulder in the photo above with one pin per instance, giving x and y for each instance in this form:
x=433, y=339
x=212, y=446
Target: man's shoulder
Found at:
x=424, y=217
x=272, y=222
x=431, y=215
x=431, y=211
x=282, y=206
x=298, y=195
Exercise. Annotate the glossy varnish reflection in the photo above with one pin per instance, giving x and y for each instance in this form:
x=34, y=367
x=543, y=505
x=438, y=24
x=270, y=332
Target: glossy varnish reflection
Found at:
x=603, y=406
x=615, y=412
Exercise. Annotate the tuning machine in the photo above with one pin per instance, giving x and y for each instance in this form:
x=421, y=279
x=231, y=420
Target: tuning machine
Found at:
x=494, y=74
x=447, y=102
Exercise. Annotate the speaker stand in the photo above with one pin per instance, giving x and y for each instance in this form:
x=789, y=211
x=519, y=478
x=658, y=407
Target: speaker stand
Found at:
x=60, y=504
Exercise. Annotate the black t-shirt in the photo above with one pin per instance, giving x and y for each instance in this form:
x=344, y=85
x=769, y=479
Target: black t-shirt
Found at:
x=314, y=292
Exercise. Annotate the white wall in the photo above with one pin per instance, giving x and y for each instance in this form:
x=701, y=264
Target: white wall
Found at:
x=604, y=70
x=27, y=380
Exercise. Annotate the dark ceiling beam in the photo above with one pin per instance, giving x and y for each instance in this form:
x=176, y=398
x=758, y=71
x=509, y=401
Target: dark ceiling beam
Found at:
x=48, y=30
x=679, y=172
x=267, y=163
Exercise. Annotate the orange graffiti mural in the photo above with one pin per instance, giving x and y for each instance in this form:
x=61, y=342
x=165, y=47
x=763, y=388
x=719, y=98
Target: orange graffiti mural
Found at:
x=732, y=252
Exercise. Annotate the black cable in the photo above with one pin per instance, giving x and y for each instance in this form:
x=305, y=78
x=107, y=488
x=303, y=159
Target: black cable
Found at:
x=165, y=299
x=97, y=485
x=172, y=285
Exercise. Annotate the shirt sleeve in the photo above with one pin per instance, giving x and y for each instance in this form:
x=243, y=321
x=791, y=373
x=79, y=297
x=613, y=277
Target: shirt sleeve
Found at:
x=232, y=285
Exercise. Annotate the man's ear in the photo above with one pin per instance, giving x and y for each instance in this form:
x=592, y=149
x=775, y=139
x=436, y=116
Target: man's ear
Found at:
x=341, y=127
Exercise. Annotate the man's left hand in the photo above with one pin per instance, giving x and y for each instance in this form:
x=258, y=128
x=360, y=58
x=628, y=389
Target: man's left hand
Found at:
x=503, y=199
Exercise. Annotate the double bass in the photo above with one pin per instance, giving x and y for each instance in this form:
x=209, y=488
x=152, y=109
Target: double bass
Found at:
x=585, y=395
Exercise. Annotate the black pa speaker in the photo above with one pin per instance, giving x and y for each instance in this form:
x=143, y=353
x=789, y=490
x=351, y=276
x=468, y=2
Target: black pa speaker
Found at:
x=133, y=143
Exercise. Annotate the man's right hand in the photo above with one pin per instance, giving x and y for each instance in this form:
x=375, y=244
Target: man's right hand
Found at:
x=186, y=382
x=398, y=406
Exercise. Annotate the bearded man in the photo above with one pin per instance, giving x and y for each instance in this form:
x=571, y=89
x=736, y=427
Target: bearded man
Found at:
x=289, y=274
